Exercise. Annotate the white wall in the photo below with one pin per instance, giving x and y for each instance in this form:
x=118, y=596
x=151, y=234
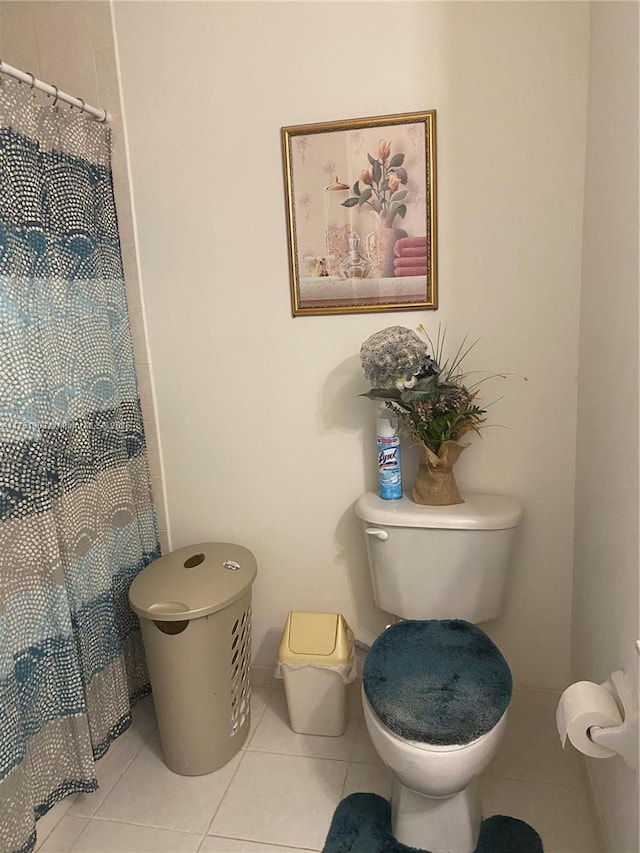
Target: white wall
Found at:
x=606, y=606
x=265, y=440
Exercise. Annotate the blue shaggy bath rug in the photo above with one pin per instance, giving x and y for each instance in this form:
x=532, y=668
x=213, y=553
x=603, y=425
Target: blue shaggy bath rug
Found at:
x=362, y=824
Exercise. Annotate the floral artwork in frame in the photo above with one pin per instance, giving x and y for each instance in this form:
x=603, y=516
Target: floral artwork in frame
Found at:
x=361, y=211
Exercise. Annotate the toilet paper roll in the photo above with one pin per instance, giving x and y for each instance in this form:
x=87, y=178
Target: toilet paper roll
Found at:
x=581, y=706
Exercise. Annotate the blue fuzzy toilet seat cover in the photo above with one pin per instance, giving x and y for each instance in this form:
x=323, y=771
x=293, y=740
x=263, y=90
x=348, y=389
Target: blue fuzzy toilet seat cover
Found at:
x=437, y=681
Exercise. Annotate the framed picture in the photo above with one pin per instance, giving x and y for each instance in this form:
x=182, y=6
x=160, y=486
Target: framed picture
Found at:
x=361, y=214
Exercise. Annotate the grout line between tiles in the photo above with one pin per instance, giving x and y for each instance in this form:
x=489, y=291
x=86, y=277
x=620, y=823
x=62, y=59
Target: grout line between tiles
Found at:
x=256, y=722
x=510, y=779
x=107, y=790
x=309, y=755
x=261, y=843
x=573, y=786
x=144, y=826
x=40, y=840
x=79, y=835
x=224, y=794
x=353, y=749
x=130, y=823
x=73, y=797
x=318, y=758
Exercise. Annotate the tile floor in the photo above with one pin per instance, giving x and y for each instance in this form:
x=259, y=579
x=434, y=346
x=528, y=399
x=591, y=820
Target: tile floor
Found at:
x=278, y=794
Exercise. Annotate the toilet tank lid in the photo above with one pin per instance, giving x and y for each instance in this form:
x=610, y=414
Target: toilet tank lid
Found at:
x=478, y=512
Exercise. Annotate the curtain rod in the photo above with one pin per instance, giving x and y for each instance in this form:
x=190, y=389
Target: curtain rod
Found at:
x=27, y=77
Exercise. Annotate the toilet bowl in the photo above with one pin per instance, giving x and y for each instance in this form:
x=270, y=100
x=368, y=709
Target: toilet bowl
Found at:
x=435, y=802
x=435, y=687
x=429, y=769
x=435, y=697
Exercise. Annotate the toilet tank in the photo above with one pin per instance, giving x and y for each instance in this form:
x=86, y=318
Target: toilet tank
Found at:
x=440, y=562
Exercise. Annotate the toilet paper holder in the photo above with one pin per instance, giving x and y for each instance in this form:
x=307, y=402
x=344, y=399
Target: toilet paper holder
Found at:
x=622, y=739
x=606, y=740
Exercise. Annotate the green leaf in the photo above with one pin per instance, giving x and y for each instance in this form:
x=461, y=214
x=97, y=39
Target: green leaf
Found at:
x=366, y=195
x=402, y=175
x=350, y=202
x=382, y=394
x=429, y=383
x=425, y=389
x=441, y=427
x=400, y=195
x=376, y=168
x=397, y=209
x=396, y=160
x=371, y=160
x=356, y=188
x=410, y=395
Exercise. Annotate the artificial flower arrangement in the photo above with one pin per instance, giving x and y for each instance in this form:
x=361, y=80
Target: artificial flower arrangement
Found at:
x=431, y=399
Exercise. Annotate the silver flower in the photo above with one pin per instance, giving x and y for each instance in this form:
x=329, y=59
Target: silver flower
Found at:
x=392, y=357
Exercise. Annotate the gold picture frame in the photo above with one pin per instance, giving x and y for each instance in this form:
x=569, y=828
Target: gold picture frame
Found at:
x=361, y=214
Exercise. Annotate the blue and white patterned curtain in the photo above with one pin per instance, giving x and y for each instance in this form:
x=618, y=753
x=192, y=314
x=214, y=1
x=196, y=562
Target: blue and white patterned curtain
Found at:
x=77, y=521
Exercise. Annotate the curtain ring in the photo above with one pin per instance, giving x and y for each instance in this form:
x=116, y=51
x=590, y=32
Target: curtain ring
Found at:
x=33, y=79
x=103, y=120
x=55, y=100
x=83, y=102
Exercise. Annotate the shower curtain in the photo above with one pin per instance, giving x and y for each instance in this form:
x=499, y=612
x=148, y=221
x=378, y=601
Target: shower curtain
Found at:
x=77, y=521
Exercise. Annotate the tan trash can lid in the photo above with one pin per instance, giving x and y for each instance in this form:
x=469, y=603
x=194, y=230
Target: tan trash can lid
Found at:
x=193, y=581
x=316, y=638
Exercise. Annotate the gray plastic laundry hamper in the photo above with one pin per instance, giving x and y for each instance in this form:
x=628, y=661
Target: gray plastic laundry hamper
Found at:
x=194, y=606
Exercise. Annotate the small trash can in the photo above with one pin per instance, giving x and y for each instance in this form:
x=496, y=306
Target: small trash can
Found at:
x=316, y=660
x=194, y=606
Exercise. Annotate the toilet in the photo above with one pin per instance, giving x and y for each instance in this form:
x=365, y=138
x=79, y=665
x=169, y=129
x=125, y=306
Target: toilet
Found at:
x=435, y=687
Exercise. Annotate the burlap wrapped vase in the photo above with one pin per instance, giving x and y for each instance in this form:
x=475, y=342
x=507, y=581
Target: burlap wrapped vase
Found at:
x=435, y=484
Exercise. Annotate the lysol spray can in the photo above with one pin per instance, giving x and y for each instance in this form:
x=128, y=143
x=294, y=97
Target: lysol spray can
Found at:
x=389, y=470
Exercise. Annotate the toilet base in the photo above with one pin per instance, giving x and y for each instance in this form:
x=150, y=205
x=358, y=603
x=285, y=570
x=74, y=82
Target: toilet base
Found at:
x=447, y=825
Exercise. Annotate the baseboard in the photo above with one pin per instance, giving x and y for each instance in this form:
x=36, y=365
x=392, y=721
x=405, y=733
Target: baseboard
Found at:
x=535, y=698
x=263, y=676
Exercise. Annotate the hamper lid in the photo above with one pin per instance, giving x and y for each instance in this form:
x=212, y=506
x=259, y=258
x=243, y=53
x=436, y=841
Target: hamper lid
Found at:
x=437, y=681
x=193, y=581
